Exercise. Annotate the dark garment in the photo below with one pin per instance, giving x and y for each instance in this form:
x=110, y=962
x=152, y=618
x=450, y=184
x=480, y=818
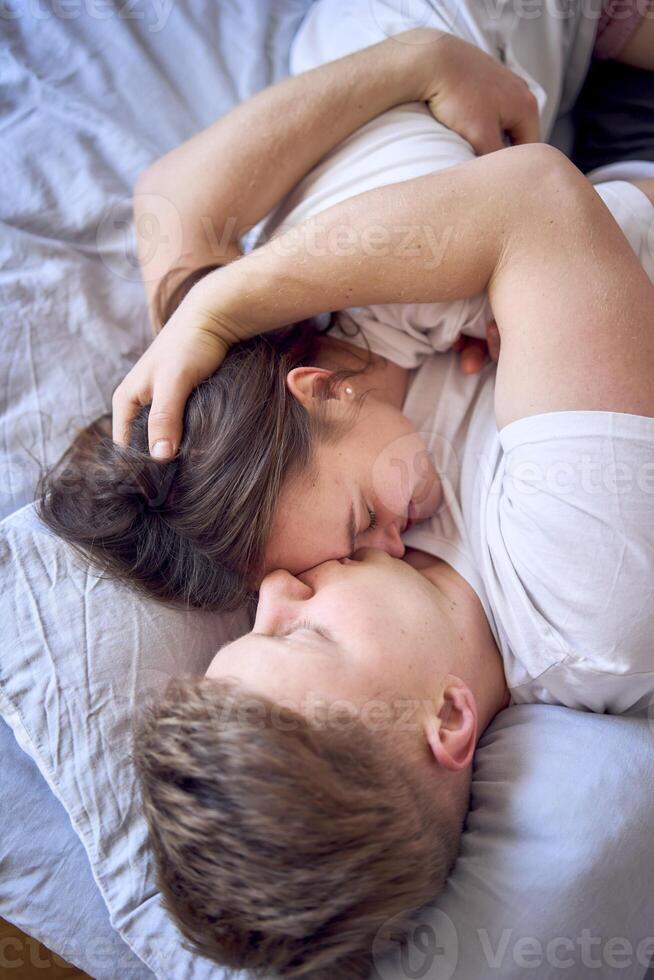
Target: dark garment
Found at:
x=614, y=116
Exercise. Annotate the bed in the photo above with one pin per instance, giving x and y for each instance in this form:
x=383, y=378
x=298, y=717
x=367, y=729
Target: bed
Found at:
x=555, y=871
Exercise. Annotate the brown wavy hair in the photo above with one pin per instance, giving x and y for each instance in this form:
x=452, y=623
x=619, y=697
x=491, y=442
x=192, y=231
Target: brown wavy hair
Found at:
x=286, y=844
x=192, y=531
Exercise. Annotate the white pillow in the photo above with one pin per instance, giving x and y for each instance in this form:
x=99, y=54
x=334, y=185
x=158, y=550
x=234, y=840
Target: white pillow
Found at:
x=558, y=839
x=47, y=887
x=554, y=878
x=80, y=655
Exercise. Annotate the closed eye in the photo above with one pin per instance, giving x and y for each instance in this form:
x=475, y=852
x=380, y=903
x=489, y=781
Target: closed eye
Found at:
x=352, y=527
x=310, y=627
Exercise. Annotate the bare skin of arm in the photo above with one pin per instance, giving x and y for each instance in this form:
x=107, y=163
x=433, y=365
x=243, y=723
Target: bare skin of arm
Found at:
x=202, y=196
x=561, y=278
x=192, y=206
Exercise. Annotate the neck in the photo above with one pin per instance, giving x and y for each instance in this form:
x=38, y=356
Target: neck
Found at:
x=478, y=660
x=371, y=372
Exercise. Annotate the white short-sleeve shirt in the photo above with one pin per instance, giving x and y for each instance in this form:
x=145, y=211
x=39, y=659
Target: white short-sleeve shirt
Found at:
x=551, y=521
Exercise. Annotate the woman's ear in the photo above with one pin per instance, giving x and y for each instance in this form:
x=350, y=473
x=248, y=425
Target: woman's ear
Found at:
x=308, y=383
x=451, y=730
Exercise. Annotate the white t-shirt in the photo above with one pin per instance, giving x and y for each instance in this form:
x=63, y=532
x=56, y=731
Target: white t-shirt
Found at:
x=551, y=521
x=563, y=572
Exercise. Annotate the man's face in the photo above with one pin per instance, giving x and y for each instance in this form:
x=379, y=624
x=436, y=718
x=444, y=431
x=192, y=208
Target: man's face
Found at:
x=347, y=629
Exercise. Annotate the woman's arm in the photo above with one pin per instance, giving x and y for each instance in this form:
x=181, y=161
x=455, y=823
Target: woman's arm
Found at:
x=522, y=223
x=192, y=206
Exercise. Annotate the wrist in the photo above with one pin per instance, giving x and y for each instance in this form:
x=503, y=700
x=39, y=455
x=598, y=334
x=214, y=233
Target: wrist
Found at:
x=417, y=54
x=217, y=303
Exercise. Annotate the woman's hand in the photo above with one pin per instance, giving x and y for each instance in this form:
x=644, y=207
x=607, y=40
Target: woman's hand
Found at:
x=188, y=350
x=470, y=92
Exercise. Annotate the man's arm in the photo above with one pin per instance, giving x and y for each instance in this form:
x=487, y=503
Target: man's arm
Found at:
x=574, y=309
x=192, y=205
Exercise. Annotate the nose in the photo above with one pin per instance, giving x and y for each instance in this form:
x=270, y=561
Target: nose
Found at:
x=279, y=595
x=386, y=539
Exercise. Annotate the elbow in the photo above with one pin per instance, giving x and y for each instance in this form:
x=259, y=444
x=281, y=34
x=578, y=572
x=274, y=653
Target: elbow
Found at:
x=548, y=179
x=548, y=161
x=149, y=181
x=159, y=178
x=536, y=162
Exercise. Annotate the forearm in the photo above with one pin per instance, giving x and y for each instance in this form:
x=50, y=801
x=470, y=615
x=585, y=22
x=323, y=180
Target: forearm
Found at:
x=226, y=178
x=523, y=224
x=435, y=238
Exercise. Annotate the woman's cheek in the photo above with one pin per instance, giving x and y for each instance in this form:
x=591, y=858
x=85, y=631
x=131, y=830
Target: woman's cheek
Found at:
x=403, y=473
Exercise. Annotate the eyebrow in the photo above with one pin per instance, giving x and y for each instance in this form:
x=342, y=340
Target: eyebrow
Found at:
x=352, y=530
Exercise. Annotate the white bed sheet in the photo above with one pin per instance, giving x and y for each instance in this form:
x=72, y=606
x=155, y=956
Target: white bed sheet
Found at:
x=87, y=100
x=90, y=94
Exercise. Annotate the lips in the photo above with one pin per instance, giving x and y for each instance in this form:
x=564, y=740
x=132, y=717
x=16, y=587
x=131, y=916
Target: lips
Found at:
x=411, y=517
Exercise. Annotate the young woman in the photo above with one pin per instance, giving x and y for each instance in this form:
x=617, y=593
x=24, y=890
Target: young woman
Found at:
x=194, y=531
x=285, y=463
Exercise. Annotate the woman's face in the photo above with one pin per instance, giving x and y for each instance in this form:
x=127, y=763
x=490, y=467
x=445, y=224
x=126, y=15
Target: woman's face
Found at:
x=364, y=490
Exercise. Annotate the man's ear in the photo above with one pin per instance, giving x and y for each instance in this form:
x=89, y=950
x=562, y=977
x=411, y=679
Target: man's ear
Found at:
x=308, y=383
x=451, y=729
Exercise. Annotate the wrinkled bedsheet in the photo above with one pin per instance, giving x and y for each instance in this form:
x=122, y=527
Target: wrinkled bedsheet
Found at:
x=91, y=92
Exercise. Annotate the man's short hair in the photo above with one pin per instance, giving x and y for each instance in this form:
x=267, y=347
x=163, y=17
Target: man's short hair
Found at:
x=287, y=844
